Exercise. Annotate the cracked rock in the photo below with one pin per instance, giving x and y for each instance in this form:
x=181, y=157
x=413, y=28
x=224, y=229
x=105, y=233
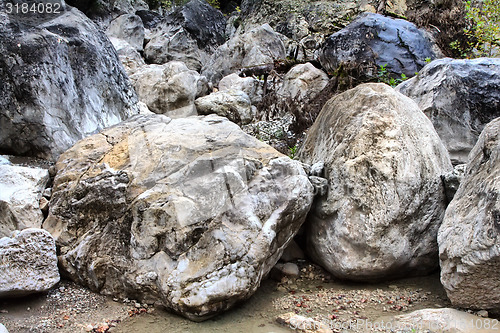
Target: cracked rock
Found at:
x=191, y=213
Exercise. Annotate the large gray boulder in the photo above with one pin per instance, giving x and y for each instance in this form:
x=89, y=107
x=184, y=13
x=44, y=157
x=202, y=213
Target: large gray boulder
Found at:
x=303, y=83
x=460, y=97
x=21, y=189
x=373, y=40
x=385, y=202
x=28, y=263
x=469, y=238
x=190, y=34
x=170, y=88
x=60, y=80
x=129, y=28
x=189, y=212
x=258, y=46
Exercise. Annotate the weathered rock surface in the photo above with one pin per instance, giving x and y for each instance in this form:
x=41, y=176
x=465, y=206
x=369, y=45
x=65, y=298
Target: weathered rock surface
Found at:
x=303, y=82
x=60, y=80
x=150, y=19
x=170, y=88
x=302, y=324
x=261, y=45
x=249, y=85
x=28, y=263
x=189, y=34
x=444, y=321
x=128, y=28
x=469, y=240
x=232, y=104
x=130, y=58
x=373, y=40
x=190, y=212
x=460, y=97
x=21, y=189
x=385, y=202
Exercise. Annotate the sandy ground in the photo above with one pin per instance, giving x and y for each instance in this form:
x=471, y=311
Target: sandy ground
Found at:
x=71, y=308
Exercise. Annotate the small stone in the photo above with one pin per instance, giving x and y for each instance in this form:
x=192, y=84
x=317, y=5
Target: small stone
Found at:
x=137, y=305
x=44, y=204
x=482, y=313
x=47, y=193
x=291, y=269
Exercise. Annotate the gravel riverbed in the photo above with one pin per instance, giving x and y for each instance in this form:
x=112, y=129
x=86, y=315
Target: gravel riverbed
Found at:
x=314, y=294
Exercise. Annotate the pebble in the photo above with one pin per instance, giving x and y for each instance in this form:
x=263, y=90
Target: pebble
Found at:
x=345, y=305
x=482, y=313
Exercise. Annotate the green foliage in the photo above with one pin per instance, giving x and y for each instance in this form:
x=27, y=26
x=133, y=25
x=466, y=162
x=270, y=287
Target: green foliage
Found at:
x=168, y=4
x=482, y=31
x=428, y=60
x=214, y=3
x=292, y=151
x=383, y=76
x=485, y=25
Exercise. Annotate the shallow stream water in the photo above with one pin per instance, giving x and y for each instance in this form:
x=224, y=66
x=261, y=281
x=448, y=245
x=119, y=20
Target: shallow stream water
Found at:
x=258, y=314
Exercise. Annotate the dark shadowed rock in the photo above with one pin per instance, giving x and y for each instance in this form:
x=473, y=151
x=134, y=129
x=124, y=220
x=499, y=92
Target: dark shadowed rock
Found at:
x=469, y=238
x=373, y=40
x=60, y=80
x=259, y=46
x=150, y=19
x=460, y=97
x=189, y=34
x=385, y=201
x=189, y=212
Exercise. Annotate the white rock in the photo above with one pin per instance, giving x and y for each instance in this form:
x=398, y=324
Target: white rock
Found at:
x=469, y=238
x=232, y=104
x=28, y=263
x=129, y=28
x=129, y=57
x=303, y=82
x=21, y=189
x=444, y=321
x=302, y=324
x=169, y=89
x=251, y=86
x=4, y=160
x=385, y=201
